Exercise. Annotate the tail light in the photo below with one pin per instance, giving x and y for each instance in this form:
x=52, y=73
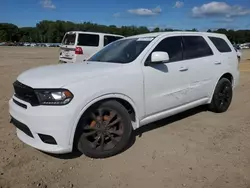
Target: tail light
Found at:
x=78, y=50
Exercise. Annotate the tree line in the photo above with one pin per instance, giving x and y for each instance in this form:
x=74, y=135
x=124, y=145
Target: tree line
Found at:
x=53, y=31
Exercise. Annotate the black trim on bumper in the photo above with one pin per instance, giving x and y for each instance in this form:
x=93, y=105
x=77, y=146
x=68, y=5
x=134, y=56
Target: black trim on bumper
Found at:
x=47, y=139
x=21, y=126
x=20, y=104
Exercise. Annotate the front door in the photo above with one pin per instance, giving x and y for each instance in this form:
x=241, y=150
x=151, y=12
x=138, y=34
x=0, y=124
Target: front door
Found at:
x=165, y=84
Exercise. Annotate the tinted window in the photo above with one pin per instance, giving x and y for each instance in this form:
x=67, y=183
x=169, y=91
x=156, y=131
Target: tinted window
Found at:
x=220, y=44
x=171, y=45
x=88, y=40
x=109, y=39
x=196, y=47
x=69, y=39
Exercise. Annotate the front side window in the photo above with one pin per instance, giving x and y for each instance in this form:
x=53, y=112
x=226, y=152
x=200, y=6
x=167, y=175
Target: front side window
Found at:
x=220, y=44
x=171, y=45
x=88, y=40
x=196, y=47
x=122, y=51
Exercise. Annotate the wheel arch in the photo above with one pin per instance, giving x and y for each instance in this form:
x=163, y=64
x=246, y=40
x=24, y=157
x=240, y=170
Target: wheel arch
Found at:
x=126, y=101
x=226, y=75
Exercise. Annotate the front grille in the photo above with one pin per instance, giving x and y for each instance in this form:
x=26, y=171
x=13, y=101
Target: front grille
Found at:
x=25, y=93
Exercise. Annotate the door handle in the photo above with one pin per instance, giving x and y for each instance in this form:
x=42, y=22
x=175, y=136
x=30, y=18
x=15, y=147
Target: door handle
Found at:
x=217, y=63
x=183, y=69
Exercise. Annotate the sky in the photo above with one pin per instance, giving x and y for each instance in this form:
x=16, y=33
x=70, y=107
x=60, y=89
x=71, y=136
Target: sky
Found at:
x=183, y=14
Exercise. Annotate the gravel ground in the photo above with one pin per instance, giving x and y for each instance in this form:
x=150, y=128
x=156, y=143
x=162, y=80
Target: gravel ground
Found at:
x=194, y=149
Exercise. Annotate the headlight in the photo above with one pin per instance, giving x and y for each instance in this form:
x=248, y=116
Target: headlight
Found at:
x=54, y=97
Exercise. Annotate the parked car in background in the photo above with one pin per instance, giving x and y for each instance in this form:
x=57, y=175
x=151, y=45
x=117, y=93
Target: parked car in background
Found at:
x=41, y=45
x=9, y=44
x=245, y=46
x=95, y=106
x=26, y=44
x=78, y=46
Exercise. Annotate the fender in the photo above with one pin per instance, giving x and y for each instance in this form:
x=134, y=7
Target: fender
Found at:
x=95, y=100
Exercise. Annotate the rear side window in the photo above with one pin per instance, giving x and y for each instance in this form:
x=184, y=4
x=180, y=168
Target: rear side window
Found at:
x=88, y=40
x=109, y=39
x=220, y=44
x=69, y=39
x=196, y=47
x=171, y=45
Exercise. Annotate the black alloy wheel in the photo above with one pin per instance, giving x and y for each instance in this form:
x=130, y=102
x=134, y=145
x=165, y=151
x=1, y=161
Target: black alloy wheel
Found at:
x=106, y=130
x=222, y=97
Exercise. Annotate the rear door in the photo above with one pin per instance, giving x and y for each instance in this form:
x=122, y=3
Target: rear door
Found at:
x=199, y=60
x=90, y=44
x=68, y=46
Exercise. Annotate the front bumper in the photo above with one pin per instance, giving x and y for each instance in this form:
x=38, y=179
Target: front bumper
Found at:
x=54, y=121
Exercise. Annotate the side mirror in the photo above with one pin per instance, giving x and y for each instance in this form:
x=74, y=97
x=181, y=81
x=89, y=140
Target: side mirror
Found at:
x=159, y=57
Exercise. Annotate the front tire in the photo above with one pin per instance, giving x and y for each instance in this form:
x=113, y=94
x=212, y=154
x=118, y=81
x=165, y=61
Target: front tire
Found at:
x=222, y=96
x=105, y=130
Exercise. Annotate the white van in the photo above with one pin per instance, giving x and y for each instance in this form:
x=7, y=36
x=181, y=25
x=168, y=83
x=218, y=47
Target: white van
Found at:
x=78, y=46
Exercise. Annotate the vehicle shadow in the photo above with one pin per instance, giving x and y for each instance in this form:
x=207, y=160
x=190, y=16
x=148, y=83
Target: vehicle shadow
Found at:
x=164, y=122
x=169, y=120
x=67, y=156
x=140, y=131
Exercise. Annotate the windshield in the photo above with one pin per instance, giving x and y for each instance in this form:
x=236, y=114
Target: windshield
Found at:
x=122, y=51
x=69, y=39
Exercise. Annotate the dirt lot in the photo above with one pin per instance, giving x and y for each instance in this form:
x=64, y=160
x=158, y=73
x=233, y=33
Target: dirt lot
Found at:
x=195, y=149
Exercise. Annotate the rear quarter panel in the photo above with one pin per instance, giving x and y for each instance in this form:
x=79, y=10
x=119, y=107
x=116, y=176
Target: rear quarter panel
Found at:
x=229, y=63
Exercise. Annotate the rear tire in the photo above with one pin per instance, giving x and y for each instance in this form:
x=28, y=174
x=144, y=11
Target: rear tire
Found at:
x=222, y=96
x=105, y=130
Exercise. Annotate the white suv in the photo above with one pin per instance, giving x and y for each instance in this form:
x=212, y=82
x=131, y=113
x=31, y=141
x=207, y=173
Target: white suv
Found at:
x=78, y=46
x=95, y=106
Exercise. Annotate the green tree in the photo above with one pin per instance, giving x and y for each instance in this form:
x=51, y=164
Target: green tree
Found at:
x=8, y=32
x=53, y=31
x=157, y=29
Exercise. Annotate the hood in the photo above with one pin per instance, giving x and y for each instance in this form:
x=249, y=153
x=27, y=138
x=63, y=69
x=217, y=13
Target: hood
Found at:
x=57, y=76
